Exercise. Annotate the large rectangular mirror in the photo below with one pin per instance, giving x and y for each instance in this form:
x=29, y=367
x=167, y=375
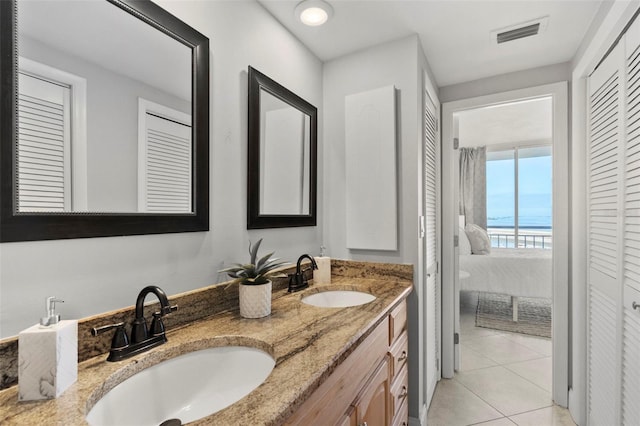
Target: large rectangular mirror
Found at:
x=282, y=156
x=104, y=120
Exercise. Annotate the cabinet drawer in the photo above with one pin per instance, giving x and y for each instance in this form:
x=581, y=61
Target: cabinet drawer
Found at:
x=399, y=391
x=402, y=415
x=399, y=351
x=397, y=321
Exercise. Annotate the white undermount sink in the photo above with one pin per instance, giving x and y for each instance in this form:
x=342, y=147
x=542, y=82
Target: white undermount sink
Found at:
x=188, y=387
x=338, y=298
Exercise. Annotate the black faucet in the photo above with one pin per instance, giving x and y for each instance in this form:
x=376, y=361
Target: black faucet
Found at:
x=298, y=281
x=141, y=339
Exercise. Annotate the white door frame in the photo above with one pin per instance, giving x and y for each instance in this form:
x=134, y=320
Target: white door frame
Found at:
x=561, y=167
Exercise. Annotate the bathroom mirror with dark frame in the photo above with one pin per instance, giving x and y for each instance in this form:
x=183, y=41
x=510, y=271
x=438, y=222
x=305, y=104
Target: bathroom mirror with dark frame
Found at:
x=19, y=224
x=282, y=166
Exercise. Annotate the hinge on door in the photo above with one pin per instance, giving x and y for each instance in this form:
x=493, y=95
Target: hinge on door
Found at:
x=456, y=241
x=456, y=338
x=437, y=267
x=456, y=143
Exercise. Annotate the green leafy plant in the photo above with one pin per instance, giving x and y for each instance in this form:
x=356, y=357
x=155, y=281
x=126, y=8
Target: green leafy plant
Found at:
x=255, y=272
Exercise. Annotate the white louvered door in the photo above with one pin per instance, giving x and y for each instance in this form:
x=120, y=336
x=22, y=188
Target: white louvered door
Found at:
x=44, y=175
x=165, y=166
x=605, y=109
x=631, y=291
x=630, y=358
x=614, y=236
x=433, y=300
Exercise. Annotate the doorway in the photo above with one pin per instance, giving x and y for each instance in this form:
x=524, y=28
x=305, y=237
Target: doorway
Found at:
x=557, y=93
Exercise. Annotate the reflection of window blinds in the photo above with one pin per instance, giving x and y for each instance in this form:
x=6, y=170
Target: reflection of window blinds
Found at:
x=43, y=145
x=168, y=165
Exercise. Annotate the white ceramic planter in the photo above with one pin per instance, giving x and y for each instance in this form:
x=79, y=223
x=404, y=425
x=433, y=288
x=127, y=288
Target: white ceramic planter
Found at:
x=255, y=300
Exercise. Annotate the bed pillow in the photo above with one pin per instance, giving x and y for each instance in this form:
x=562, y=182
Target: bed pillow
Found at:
x=463, y=242
x=479, y=239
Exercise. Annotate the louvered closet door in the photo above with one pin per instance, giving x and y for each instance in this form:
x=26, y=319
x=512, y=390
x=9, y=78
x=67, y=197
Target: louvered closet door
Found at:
x=631, y=295
x=630, y=359
x=168, y=166
x=614, y=246
x=43, y=145
x=606, y=87
x=432, y=292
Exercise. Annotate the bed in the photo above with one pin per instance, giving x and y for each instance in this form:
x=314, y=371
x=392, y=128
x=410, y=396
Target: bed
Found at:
x=515, y=272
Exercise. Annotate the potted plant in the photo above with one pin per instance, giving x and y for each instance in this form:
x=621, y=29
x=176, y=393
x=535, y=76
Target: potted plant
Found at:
x=254, y=280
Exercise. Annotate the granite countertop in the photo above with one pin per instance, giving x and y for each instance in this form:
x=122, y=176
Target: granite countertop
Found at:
x=307, y=342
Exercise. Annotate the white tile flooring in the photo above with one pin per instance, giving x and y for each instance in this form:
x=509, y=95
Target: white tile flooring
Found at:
x=504, y=380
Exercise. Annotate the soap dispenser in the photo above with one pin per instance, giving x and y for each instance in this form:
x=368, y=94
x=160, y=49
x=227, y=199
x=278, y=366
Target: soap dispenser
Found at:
x=322, y=275
x=47, y=356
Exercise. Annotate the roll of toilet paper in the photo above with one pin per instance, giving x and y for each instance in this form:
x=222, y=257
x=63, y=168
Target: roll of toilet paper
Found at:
x=322, y=275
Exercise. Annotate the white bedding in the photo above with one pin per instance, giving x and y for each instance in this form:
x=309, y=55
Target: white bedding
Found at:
x=516, y=272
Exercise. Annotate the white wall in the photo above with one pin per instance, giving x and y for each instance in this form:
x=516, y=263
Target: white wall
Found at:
x=397, y=63
x=393, y=63
x=100, y=274
x=505, y=82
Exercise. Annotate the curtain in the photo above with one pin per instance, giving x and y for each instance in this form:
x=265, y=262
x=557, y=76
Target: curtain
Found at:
x=473, y=185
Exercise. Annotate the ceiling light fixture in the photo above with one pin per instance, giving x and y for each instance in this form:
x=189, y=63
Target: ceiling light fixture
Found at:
x=314, y=12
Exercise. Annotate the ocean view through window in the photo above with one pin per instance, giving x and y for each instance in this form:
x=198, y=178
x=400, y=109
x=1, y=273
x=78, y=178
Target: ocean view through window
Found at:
x=519, y=185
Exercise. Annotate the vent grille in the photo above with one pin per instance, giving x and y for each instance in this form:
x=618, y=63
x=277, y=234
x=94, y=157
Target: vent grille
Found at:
x=520, y=30
x=528, y=31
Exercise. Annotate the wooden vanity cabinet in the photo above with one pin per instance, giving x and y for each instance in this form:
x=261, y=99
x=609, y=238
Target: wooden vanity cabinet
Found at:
x=398, y=354
x=370, y=386
x=373, y=406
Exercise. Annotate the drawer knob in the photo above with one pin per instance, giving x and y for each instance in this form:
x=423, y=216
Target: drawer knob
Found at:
x=403, y=393
x=635, y=305
x=402, y=356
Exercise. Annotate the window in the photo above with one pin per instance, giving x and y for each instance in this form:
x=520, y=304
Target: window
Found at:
x=519, y=189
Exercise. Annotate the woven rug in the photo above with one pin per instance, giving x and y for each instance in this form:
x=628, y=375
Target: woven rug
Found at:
x=534, y=314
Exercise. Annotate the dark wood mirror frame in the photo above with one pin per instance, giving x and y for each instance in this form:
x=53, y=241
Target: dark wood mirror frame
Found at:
x=15, y=226
x=255, y=220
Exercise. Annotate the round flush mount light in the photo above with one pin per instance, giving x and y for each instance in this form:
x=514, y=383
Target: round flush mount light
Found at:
x=314, y=12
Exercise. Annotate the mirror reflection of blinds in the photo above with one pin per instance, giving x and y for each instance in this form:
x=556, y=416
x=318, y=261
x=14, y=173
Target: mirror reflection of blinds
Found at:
x=168, y=165
x=43, y=145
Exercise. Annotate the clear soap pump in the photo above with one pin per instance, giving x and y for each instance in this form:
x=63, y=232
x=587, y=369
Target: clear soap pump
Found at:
x=47, y=356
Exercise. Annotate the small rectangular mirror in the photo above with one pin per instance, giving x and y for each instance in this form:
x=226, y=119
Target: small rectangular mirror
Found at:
x=282, y=156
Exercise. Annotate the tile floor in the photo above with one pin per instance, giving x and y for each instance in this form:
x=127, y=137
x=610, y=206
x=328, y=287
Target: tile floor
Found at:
x=504, y=380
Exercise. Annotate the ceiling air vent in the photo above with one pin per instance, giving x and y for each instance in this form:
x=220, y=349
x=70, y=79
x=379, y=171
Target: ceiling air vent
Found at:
x=515, y=32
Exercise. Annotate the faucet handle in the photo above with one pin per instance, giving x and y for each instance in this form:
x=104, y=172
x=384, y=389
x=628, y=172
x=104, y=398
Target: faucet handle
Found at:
x=157, y=326
x=120, y=338
x=166, y=310
x=99, y=330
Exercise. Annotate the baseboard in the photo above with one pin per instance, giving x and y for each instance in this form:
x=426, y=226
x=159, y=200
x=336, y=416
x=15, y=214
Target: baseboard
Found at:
x=422, y=421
